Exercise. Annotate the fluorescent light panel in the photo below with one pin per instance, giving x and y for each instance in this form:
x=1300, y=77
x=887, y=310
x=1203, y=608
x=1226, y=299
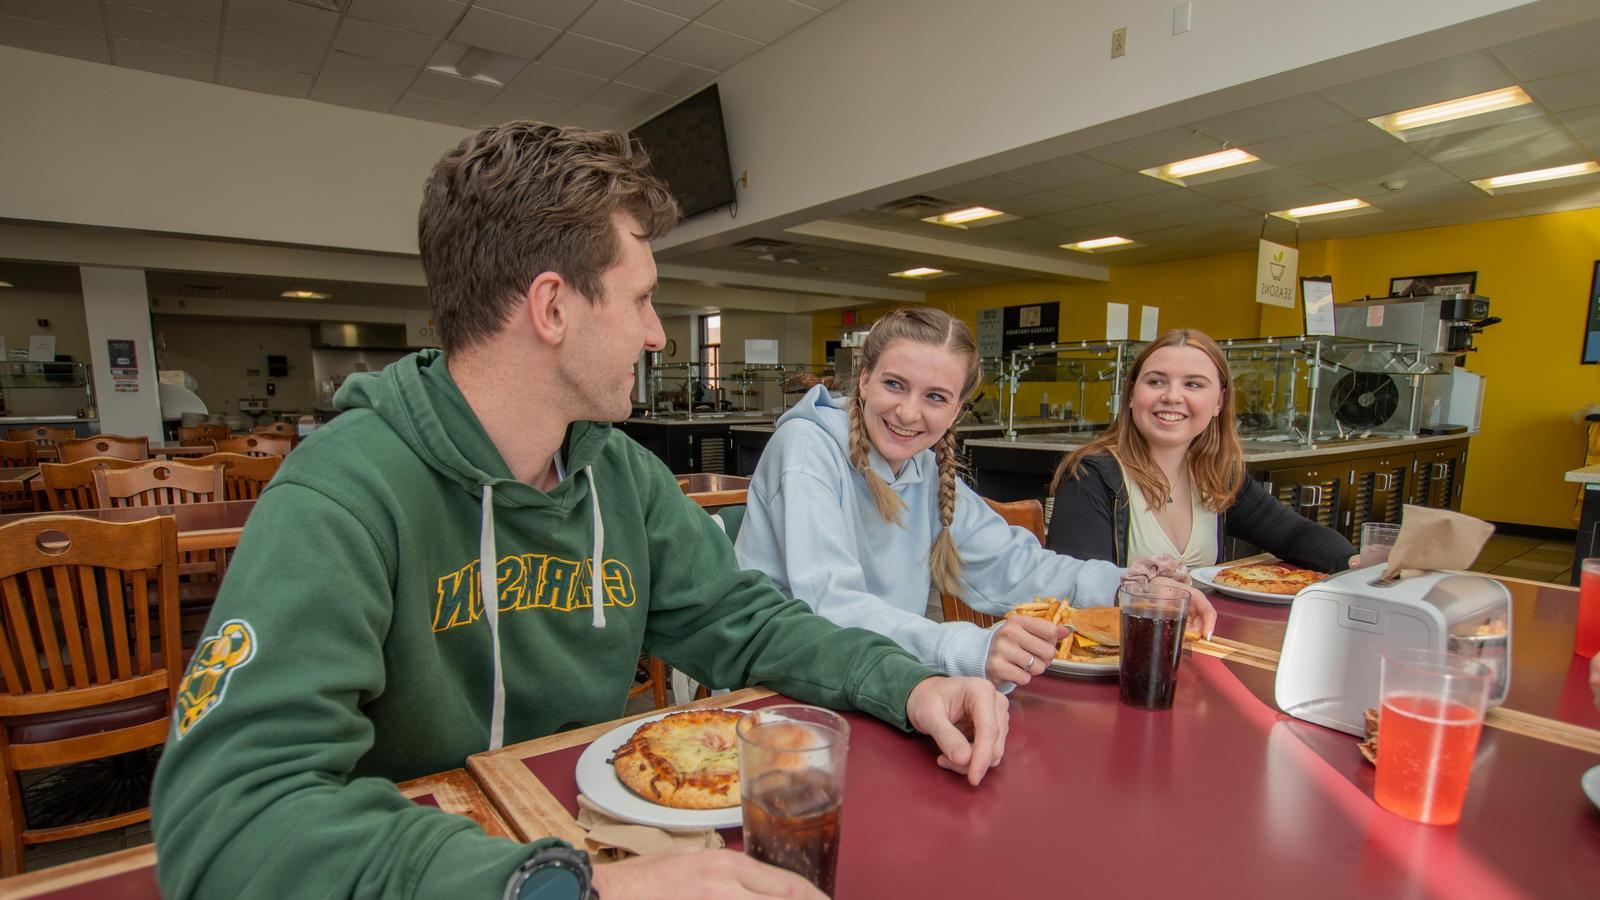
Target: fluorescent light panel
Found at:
x=1199, y=165
x=1321, y=209
x=1551, y=174
x=1113, y=242
x=6, y=284
x=963, y=217
x=919, y=272
x=304, y=295
x=1450, y=110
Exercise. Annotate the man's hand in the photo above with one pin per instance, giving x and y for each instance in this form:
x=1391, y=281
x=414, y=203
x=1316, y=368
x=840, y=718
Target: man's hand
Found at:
x=966, y=717
x=1200, y=609
x=1021, y=648
x=705, y=874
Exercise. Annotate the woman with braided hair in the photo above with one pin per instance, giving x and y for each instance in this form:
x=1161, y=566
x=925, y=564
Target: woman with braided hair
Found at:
x=857, y=509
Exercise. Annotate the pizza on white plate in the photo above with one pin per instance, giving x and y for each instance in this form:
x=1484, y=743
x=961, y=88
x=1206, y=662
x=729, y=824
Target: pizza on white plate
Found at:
x=1281, y=578
x=688, y=760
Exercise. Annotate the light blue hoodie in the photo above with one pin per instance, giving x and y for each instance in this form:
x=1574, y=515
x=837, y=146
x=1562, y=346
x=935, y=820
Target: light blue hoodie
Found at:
x=812, y=527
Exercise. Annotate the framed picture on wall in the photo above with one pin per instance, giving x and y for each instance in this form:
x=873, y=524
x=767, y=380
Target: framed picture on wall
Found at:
x=1425, y=285
x=1591, y=328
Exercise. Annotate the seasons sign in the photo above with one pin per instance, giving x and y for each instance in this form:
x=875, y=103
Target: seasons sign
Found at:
x=1276, y=268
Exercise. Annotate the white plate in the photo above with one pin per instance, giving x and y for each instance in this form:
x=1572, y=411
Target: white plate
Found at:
x=1206, y=578
x=598, y=781
x=1094, y=669
x=1591, y=785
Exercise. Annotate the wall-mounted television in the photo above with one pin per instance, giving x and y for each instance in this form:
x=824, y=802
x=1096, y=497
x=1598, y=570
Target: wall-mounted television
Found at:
x=689, y=151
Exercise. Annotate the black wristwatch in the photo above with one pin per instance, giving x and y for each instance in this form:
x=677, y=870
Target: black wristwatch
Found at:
x=554, y=873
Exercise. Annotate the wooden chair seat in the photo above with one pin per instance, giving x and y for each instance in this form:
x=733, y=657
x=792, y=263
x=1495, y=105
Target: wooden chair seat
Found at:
x=1027, y=514
x=74, y=723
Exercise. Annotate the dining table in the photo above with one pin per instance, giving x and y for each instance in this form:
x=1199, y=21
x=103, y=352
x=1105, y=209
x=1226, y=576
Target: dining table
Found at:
x=714, y=489
x=131, y=874
x=15, y=479
x=201, y=526
x=1223, y=795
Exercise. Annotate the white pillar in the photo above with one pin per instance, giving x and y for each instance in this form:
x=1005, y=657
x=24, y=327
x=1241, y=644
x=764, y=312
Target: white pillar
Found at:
x=116, y=305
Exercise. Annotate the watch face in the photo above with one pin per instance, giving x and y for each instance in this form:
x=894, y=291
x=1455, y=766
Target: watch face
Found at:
x=551, y=882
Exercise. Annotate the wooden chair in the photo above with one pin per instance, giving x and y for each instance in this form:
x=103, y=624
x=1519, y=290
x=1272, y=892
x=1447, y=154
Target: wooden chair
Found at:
x=45, y=438
x=18, y=454
x=199, y=435
x=256, y=445
x=243, y=477
x=285, y=429
x=89, y=665
x=134, y=448
x=71, y=485
x=1027, y=514
x=159, y=483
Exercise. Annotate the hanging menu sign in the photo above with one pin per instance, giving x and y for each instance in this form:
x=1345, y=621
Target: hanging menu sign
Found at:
x=124, y=365
x=991, y=333
x=1035, y=323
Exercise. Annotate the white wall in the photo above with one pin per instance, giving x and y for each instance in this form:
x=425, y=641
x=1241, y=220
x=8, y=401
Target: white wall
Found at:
x=221, y=356
x=116, y=306
x=20, y=312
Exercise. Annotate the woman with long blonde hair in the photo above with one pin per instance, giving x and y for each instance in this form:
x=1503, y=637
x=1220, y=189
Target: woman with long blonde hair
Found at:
x=1168, y=476
x=857, y=509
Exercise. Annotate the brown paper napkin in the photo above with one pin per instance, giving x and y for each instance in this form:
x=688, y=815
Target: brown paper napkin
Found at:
x=611, y=838
x=1436, y=539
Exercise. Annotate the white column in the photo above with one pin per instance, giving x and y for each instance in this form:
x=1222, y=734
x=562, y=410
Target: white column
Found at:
x=116, y=305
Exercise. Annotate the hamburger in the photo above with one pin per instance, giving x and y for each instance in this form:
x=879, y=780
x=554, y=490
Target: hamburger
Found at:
x=1096, y=634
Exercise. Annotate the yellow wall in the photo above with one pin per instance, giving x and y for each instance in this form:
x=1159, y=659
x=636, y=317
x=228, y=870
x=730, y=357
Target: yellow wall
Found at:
x=1535, y=269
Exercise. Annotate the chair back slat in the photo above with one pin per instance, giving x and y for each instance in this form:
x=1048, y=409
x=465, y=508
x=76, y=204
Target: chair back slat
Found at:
x=20, y=627
x=159, y=483
x=67, y=601
x=94, y=625
x=257, y=445
x=19, y=453
x=8, y=654
x=195, y=435
x=243, y=477
x=49, y=638
x=116, y=445
x=71, y=485
x=140, y=598
x=117, y=610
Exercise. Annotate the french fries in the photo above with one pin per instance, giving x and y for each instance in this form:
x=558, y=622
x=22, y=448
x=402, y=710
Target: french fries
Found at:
x=1052, y=610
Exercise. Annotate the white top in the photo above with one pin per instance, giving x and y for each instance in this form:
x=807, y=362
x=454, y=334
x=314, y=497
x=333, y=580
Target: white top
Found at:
x=1147, y=538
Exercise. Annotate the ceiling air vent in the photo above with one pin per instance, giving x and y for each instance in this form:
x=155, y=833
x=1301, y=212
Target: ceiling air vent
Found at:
x=915, y=206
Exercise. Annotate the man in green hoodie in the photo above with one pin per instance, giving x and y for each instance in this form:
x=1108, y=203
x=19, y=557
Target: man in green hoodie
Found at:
x=351, y=645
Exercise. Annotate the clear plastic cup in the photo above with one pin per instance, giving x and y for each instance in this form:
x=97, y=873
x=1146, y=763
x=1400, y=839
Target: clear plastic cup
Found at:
x=1152, y=641
x=1432, y=712
x=1377, y=540
x=791, y=776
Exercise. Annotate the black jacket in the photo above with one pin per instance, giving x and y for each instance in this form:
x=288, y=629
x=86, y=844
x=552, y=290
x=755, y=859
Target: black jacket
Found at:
x=1090, y=521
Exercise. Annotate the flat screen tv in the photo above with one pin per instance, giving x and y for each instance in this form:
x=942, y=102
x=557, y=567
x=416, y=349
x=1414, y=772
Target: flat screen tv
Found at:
x=689, y=151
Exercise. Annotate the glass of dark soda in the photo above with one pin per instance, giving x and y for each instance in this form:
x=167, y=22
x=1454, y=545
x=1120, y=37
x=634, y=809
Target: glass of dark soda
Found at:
x=1152, y=640
x=791, y=775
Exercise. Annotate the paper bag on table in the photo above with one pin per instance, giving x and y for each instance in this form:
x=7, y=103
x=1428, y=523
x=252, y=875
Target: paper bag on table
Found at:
x=610, y=838
x=1433, y=539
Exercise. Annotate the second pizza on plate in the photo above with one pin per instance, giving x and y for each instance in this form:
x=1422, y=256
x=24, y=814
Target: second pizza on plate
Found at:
x=1281, y=578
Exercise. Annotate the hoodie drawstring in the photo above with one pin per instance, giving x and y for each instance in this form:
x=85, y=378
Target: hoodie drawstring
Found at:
x=488, y=588
x=597, y=596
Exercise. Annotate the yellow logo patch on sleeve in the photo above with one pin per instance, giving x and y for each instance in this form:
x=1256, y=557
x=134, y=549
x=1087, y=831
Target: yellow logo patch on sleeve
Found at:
x=213, y=665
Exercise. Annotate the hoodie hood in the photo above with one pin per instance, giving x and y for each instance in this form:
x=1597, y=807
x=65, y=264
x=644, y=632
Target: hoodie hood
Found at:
x=832, y=414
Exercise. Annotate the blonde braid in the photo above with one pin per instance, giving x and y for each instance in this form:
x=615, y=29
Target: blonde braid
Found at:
x=944, y=562
x=889, y=504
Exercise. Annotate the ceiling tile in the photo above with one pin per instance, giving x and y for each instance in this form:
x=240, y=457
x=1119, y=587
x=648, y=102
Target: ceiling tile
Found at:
x=432, y=110
x=1480, y=205
x=354, y=93
x=1584, y=123
x=1214, y=212
x=384, y=42
x=1414, y=180
x=657, y=73
x=1040, y=203
x=760, y=20
x=1551, y=53
x=559, y=84
x=589, y=56
x=1573, y=90
x=986, y=191
x=157, y=28
x=206, y=10
x=504, y=34
x=1450, y=193
x=1446, y=79
x=1155, y=149
x=1379, y=161
x=1289, y=198
x=266, y=50
x=1168, y=201
x=265, y=79
x=46, y=38
x=1576, y=194
x=1253, y=184
x=631, y=100
x=1295, y=115
x=391, y=76
x=1119, y=187
x=435, y=17
x=555, y=13
x=1000, y=232
x=1323, y=143
x=510, y=106
x=686, y=8
x=1097, y=216
x=284, y=19
x=83, y=15
x=1512, y=147
x=1062, y=171
x=711, y=48
x=165, y=60
x=452, y=89
x=596, y=118
x=627, y=24
x=823, y=5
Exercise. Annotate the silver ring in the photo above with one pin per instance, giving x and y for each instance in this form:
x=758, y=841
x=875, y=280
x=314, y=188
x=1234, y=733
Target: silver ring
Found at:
x=1028, y=666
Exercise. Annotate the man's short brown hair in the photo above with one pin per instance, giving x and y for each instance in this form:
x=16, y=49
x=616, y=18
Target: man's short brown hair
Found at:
x=517, y=200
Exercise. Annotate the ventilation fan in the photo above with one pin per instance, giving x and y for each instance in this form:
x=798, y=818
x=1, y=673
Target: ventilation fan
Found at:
x=1365, y=399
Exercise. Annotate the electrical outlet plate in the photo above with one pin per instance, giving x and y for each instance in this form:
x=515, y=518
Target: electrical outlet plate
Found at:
x=1119, y=42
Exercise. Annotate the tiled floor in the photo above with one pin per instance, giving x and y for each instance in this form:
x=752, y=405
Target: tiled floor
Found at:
x=1531, y=558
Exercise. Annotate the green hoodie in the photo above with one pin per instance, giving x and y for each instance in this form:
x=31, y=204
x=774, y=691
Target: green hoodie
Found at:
x=349, y=646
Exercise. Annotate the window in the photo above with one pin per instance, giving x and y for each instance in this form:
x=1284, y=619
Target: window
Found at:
x=711, y=349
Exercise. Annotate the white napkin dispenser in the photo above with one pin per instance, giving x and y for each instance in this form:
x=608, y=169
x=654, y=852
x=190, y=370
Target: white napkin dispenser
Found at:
x=1340, y=628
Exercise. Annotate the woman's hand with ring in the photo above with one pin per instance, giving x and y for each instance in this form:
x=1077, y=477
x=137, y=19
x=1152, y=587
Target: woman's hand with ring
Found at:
x=1021, y=648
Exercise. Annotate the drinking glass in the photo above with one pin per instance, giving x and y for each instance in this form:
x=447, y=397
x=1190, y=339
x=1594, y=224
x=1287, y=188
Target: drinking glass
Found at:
x=791, y=775
x=1428, y=729
x=1377, y=540
x=1152, y=641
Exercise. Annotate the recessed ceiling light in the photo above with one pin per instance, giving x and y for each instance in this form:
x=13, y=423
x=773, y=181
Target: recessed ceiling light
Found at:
x=919, y=272
x=961, y=218
x=304, y=295
x=1450, y=110
x=1199, y=165
x=1095, y=245
x=1321, y=209
x=1551, y=174
x=6, y=284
